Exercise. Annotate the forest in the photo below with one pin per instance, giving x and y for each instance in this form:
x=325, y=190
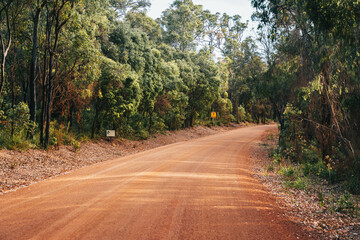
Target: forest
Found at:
x=71, y=69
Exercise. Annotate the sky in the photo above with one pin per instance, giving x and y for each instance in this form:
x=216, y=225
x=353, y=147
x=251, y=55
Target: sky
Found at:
x=231, y=7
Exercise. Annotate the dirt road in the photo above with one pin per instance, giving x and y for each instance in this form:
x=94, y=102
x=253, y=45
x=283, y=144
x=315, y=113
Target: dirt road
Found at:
x=200, y=189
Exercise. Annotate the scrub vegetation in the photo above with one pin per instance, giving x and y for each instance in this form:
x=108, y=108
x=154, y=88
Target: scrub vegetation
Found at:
x=70, y=69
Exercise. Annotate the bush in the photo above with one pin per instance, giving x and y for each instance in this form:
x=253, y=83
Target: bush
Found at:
x=321, y=170
x=4, y=140
x=19, y=144
x=271, y=168
x=345, y=203
x=143, y=135
x=288, y=172
x=16, y=126
x=353, y=184
x=159, y=125
x=76, y=145
x=278, y=158
x=242, y=114
x=299, y=183
x=127, y=131
x=310, y=154
x=69, y=139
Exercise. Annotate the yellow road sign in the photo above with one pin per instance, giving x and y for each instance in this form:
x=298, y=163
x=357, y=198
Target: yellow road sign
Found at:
x=213, y=114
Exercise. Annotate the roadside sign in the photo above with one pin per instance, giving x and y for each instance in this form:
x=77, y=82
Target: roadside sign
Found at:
x=110, y=133
x=213, y=114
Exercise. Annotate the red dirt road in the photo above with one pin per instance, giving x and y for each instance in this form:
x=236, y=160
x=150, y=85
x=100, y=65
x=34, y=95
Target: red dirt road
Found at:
x=200, y=189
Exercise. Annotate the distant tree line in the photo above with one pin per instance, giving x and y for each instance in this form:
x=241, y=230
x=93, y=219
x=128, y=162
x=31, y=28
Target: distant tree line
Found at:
x=72, y=68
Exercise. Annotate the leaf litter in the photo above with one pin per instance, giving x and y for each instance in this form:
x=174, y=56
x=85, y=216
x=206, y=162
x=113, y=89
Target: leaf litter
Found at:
x=307, y=207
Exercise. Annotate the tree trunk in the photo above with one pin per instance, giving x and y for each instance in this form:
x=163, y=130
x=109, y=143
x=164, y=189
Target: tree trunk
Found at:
x=57, y=27
x=32, y=100
x=5, y=50
x=49, y=96
x=2, y=83
x=94, y=124
x=44, y=82
x=236, y=110
x=70, y=117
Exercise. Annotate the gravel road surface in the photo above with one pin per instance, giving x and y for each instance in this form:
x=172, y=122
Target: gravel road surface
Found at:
x=199, y=189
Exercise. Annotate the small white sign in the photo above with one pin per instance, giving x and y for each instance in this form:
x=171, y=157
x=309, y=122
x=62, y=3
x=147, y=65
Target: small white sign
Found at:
x=110, y=133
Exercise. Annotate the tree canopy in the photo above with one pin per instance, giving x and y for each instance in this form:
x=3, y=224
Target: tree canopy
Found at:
x=71, y=69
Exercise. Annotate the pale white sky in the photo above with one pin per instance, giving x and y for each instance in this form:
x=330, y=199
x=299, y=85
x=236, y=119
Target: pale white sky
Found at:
x=231, y=7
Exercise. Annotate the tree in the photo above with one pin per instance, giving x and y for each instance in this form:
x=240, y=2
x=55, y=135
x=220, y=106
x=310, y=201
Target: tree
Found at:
x=117, y=98
x=58, y=14
x=320, y=36
x=182, y=24
x=146, y=24
x=9, y=13
x=37, y=9
x=202, y=83
x=123, y=7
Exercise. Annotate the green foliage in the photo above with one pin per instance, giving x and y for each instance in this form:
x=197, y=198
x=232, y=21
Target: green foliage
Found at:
x=18, y=117
x=119, y=93
x=61, y=136
x=17, y=142
x=312, y=81
x=345, y=203
x=271, y=168
x=353, y=184
x=298, y=183
x=113, y=67
x=181, y=24
x=242, y=113
x=15, y=127
x=288, y=172
x=293, y=177
x=278, y=158
x=143, y=135
x=353, y=181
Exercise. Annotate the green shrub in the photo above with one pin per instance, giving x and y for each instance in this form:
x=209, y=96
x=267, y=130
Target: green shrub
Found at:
x=353, y=184
x=242, y=114
x=126, y=131
x=14, y=130
x=159, y=126
x=288, y=172
x=278, y=158
x=20, y=144
x=53, y=141
x=271, y=168
x=69, y=139
x=311, y=155
x=143, y=135
x=4, y=140
x=345, y=203
x=321, y=170
x=76, y=145
x=317, y=169
x=299, y=183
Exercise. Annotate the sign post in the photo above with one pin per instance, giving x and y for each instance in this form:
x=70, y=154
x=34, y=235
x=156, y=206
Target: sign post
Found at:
x=110, y=134
x=213, y=116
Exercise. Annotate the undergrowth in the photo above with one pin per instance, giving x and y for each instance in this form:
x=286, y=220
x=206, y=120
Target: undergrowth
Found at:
x=315, y=177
